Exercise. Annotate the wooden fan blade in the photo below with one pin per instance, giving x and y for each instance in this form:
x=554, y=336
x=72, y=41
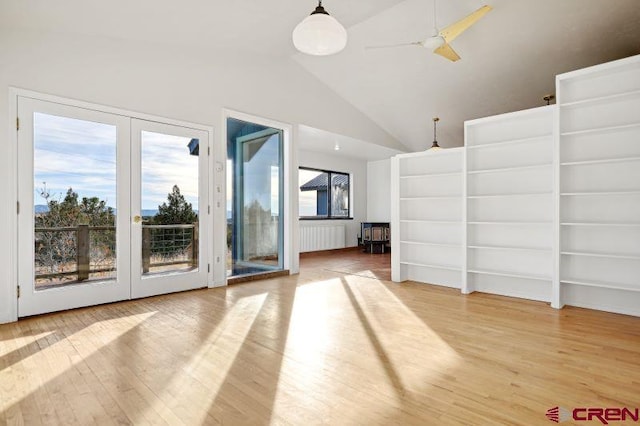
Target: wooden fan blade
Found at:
x=454, y=30
x=447, y=51
x=388, y=46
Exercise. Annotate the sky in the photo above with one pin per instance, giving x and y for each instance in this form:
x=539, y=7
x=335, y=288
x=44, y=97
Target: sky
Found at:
x=82, y=155
x=166, y=162
x=307, y=201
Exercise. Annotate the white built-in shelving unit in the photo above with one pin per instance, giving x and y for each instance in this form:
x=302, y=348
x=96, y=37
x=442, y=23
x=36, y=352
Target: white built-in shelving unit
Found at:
x=598, y=134
x=542, y=204
x=510, y=202
x=427, y=214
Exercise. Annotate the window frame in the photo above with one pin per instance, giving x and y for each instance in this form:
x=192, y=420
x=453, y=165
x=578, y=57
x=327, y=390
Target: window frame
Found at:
x=329, y=216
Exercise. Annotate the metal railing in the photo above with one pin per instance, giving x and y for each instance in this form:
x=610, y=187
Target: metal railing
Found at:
x=65, y=252
x=167, y=245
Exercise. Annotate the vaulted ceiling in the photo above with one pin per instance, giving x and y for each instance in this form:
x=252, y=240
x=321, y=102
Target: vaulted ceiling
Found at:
x=509, y=58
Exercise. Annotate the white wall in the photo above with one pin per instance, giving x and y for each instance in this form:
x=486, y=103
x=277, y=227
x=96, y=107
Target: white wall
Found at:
x=358, y=171
x=165, y=81
x=379, y=191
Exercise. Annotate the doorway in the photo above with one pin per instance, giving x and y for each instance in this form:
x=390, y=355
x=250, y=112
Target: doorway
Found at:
x=109, y=206
x=255, y=198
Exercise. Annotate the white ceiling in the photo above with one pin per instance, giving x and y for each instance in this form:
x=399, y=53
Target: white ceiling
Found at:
x=260, y=26
x=509, y=58
x=316, y=140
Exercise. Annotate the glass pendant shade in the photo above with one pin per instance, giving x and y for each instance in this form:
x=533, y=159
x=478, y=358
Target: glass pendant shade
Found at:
x=319, y=34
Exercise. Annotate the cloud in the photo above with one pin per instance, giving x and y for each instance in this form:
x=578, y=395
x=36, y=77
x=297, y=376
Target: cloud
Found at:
x=166, y=161
x=80, y=154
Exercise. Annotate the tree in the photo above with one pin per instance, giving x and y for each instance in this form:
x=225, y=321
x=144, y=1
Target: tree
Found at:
x=55, y=249
x=169, y=242
x=176, y=210
x=71, y=212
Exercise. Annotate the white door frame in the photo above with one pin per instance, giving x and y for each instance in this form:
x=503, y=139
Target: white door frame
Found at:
x=290, y=251
x=11, y=291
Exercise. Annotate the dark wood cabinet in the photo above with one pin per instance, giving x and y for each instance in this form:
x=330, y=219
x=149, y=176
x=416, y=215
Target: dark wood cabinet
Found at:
x=375, y=236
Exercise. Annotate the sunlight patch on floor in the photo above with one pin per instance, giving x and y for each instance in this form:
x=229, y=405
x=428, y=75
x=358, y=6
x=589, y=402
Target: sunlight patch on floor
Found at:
x=191, y=392
x=309, y=328
x=395, y=326
x=309, y=340
x=19, y=342
x=61, y=356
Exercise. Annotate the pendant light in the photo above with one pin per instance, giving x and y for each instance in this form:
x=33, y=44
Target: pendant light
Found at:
x=319, y=34
x=435, y=146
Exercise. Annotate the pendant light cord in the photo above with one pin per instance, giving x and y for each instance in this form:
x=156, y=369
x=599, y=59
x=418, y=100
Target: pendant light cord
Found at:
x=435, y=23
x=435, y=121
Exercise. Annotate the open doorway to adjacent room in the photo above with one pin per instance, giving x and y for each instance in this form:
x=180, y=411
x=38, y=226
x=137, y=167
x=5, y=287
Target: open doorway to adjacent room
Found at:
x=255, y=198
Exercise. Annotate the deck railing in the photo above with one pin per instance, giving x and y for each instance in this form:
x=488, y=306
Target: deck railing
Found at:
x=162, y=246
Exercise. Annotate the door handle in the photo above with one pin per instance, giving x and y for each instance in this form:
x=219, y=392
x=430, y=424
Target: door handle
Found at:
x=137, y=219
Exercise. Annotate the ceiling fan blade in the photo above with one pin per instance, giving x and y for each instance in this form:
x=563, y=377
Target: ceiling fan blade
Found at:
x=388, y=46
x=454, y=30
x=447, y=51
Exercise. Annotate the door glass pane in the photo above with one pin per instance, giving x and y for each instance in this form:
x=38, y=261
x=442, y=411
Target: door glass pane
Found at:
x=255, y=203
x=261, y=198
x=74, y=201
x=169, y=204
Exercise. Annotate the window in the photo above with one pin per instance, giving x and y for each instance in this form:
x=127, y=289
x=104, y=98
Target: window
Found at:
x=323, y=194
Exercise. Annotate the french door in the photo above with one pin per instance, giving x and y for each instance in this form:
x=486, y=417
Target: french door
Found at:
x=109, y=207
x=168, y=193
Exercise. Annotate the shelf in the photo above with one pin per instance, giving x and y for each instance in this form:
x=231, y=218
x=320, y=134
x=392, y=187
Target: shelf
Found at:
x=601, y=99
x=600, y=129
x=526, y=194
x=510, y=275
x=435, y=197
x=509, y=169
x=431, y=244
x=425, y=175
x=509, y=142
x=608, y=70
x=600, y=224
x=459, y=222
x=595, y=193
x=424, y=265
x=430, y=154
x=601, y=285
x=603, y=161
x=510, y=248
x=602, y=255
x=509, y=223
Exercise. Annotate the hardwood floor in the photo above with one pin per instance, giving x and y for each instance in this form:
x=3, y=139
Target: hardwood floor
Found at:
x=330, y=346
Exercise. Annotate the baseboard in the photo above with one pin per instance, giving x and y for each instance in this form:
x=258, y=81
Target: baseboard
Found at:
x=258, y=276
x=329, y=252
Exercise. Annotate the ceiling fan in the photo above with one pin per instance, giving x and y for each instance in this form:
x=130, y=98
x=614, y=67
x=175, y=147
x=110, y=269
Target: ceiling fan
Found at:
x=440, y=39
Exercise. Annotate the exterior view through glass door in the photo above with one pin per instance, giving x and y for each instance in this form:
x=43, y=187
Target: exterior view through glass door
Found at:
x=110, y=207
x=169, y=193
x=73, y=223
x=255, y=201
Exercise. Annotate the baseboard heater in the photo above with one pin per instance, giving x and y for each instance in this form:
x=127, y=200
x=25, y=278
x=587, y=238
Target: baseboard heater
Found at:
x=321, y=237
